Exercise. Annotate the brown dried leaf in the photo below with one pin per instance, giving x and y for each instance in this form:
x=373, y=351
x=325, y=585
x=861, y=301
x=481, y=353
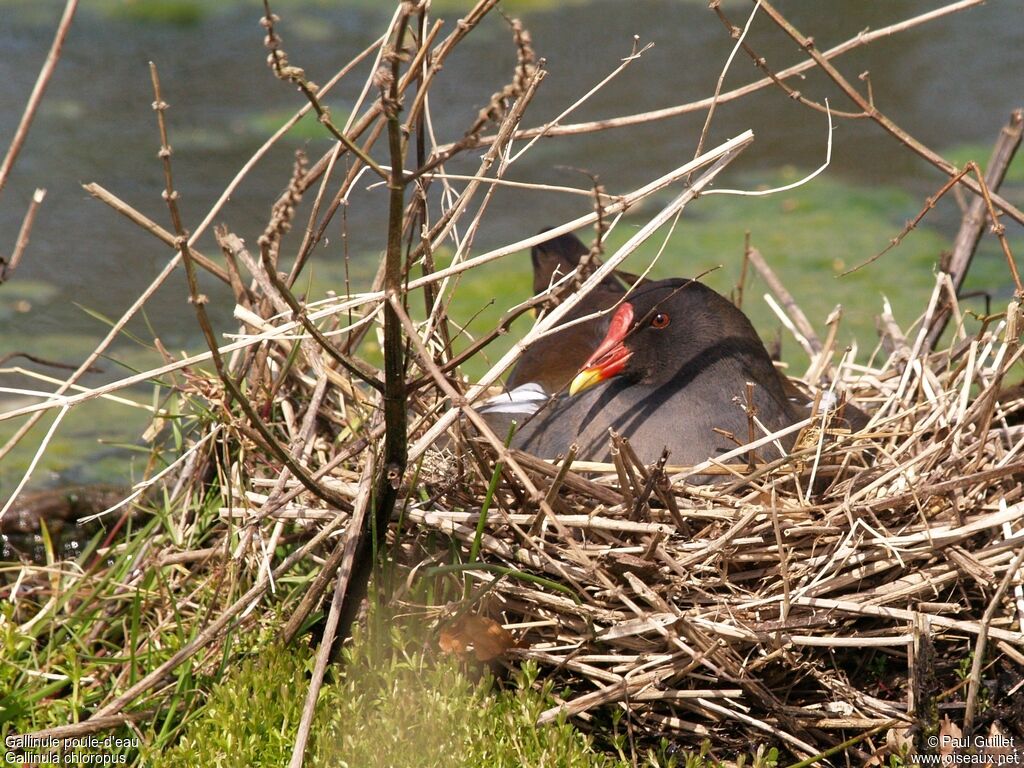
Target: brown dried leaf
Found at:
x=451, y=641
x=949, y=736
x=897, y=742
x=486, y=637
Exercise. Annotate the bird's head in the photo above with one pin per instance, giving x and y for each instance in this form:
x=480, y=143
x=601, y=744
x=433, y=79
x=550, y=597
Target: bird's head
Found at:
x=659, y=329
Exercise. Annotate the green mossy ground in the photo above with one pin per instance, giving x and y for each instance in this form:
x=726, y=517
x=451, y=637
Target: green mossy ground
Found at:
x=393, y=701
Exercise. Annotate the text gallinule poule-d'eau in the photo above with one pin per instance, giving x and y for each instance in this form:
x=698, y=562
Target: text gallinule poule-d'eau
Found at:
x=673, y=369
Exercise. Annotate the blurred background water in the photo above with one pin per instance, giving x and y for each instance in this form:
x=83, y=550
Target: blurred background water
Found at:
x=951, y=83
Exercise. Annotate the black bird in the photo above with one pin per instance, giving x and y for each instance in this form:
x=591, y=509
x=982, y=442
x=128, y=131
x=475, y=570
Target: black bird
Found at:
x=554, y=360
x=673, y=368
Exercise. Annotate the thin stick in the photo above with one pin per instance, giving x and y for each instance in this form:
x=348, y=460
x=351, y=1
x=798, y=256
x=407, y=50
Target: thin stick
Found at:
x=929, y=205
x=139, y=218
x=753, y=255
x=279, y=64
x=260, y=153
x=42, y=81
x=807, y=44
x=349, y=547
x=761, y=63
x=462, y=28
x=973, y=221
x=543, y=131
x=740, y=37
x=7, y=268
x=198, y=302
x=396, y=448
x=861, y=39
x=792, y=185
x=982, y=639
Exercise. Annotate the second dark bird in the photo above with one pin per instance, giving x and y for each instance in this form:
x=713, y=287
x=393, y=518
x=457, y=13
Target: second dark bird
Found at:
x=553, y=361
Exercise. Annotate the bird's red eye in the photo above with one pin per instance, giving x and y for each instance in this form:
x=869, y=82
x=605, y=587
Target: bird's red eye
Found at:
x=660, y=320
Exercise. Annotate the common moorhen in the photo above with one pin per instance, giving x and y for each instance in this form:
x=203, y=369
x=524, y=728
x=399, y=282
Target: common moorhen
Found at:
x=554, y=360
x=673, y=368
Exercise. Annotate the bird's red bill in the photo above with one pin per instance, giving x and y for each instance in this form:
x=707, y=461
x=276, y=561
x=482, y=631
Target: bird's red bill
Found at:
x=611, y=354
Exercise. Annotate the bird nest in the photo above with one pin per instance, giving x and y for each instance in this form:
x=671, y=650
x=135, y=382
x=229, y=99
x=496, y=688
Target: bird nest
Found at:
x=860, y=584
x=865, y=585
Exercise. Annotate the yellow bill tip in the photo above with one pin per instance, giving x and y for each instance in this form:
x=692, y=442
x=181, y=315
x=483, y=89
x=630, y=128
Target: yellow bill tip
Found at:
x=585, y=380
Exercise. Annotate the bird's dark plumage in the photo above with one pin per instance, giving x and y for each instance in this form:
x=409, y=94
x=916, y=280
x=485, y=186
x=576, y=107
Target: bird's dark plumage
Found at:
x=677, y=357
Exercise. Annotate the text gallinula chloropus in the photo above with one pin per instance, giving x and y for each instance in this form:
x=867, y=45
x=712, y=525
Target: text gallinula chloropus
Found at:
x=672, y=369
x=553, y=361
